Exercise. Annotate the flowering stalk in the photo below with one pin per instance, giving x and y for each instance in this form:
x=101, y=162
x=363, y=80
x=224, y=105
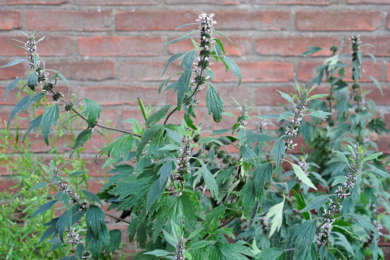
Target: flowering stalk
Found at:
x=296, y=119
x=206, y=43
x=331, y=80
x=183, y=160
x=180, y=249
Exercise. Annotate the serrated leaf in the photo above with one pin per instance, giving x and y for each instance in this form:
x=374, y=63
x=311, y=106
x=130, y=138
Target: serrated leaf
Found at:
x=364, y=222
x=175, y=136
x=32, y=80
x=172, y=59
x=302, y=176
x=214, y=103
x=92, y=196
x=95, y=219
x=278, y=150
x=209, y=180
x=184, y=80
x=82, y=138
x=150, y=133
x=154, y=118
x=49, y=118
x=79, y=250
x=273, y=254
x=233, y=66
x=12, y=86
x=115, y=239
x=319, y=114
x=39, y=186
x=120, y=147
x=12, y=63
x=276, y=214
x=226, y=38
x=316, y=203
x=304, y=235
x=286, y=97
x=64, y=222
x=92, y=111
x=34, y=125
x=164, y=173
x=284, y=115
x=338, y=180
x=45, y=207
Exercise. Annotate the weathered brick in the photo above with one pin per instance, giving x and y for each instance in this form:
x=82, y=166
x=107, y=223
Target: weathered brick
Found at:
x=8, y=185
x=244, y=45
x=22, y=123
x=368, y=2
x=294, y=46
x=336, y=20
x=12, y=72
x=306, y=71
x=116, y=2
x=376, y=95
x=85, y=70
x=10, y=20
x=256, y=72
x=120, y=46
x=50, y=46
x=292, y=2
x=147, y=71
x=215, y=2
x=113, y=95
x=381, y=45
x=33, y=2
x=142, y=20
x=252, y=20
x=61, y=20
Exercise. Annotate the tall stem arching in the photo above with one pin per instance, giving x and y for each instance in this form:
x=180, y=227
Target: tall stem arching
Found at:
x=206, y=43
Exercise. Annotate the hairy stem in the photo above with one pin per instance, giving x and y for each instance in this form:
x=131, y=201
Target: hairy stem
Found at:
x=141, y=106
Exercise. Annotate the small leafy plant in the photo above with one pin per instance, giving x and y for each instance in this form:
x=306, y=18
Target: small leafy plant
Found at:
x=184, y=196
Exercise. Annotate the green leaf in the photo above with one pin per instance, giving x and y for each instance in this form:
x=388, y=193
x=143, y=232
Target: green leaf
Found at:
x=121, y=147
x=184, y=79
x=376, y=82
x=64, y=222
x=82, y=138
x=55, y=243
x=36, y=59
x=155, y=193
x=32, y=80
x=189, y=121
x=95, y=219
x=65, y=80
x=184, y=37
x=172, y=59
x=92, y=196
x=214, y=103
x=318, y=96
x=301, y=204
x=364, y=222
x=164, y=173
x=187, y=24
x=124, y=171
x=316, y=203
x=80, y=249
x=377, y=171
x=34, y=124
x=12, y=63
x=276, y=213
x=39, y=186
x=201, y=244
x=372, y=156
x=209, y=180
x=309, y=252
x=311, y=50
x=279, y=150
x=92, y=111
x=233, y=66
x=214, y=215
x=286, y=97
x=11, y=86
x=226, y=38
x=319, y=114
x=273, y=254
x=210, y=73
x=150, y=133
x=302, y=176
x=220, y=44
x=76, y=173
x=158, y=252
x=284, y=115
x=175, y=136
x=341, y=156
x=304, y=235
x=49, y=118
x=115, y=239
x=338, y=180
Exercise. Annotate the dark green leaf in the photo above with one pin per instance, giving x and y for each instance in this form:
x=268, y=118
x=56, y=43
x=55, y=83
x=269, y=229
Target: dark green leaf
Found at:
x=279, y=150
x=92, y=196
x=273, y=254
x=11, y=86
x=76, y=173
x=92, y=111
x=115, y=239
x=45, y=207
x=39, y=186
x=150, y=133
x=165, y=173
x=214, y=103
x=82, y=138
x=184, y=79
x=12, y=63
x=233, y=66
x=226, y=38
x=311, y=50
x=80, y=250
x=34, y=124
x=316, y=203
x=95, y=219
x=49, y=118
x=64, y=222
x=154, y=118
x=32, y=80
x=172, y=59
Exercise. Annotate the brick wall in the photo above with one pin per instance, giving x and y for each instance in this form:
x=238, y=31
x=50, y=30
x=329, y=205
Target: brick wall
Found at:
x=111, y=50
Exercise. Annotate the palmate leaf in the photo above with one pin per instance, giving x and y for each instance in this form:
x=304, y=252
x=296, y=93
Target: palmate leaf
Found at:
x=273, y=254
x=11, y=86
x=214, y=103
x=23, y=104
x=184, y=80
x=182, y=209
x=121, y=147
x=92, y=111
x=49, y=118
x=276, y=214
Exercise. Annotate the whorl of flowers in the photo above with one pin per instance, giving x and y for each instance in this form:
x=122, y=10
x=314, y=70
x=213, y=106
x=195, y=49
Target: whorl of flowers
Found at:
x=183, y=159
x=296, y=120
x=355, y=41
x=304, y=166
x=206, y=43
x=244, y=112
x=180, y=249
x=31, y=50
x=323, y=236
x=261, y=125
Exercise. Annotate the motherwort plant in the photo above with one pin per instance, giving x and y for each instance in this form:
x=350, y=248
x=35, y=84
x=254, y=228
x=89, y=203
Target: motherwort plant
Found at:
x=184, y=196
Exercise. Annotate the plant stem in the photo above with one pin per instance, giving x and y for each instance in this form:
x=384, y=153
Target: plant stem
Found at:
x=141, y=106
x=120, y=219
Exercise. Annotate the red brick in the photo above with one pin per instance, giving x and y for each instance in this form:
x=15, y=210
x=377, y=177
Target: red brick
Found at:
x=116, y=2
x=244, y=46
x=387, y=71
x=49, y=20
x=256, y=72
x=376, y=95
x=10, y=20
x=94, y=186
x=33, y=2
x=292, y=2
x=336, y=21
x=147, y=71
x=8, y=185
x=294, y=46
x=252, y=20
x=12, y=72
x=120, y=46
x=113, y=95
x=383, y=144
x=306, y=71
x=50, y=46
x=215, y=2
x=85, y=70
x=22, y=124
x=381, y=46
x=141, y=20
x=368, y=2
